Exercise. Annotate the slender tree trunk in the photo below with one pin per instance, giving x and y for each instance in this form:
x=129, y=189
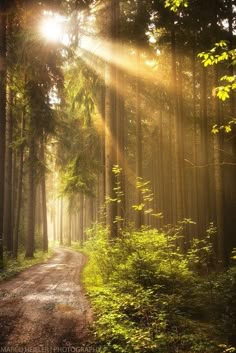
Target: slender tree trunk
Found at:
x=170, y=174
x=2, y=122
x=54, y=228
x=44, y=202
x=61, y=222
x=229, y=175
x=204, y=196
x=195, y=199
x=120, y=111
x=181, y=140
x=38, y=211
x=70, y=229
x=110, y=131
x=14, y=182
x=81, y=219
x=84, y=217
x=19, y=192
x=139, y=171
x=30, y=246
x=217, y=145
x=58, y=220
x=177, y=135
x=231, y=43
x=7, y=224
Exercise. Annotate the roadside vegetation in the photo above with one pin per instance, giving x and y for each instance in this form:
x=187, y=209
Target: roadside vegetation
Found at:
x=149, y=297
x=15, y=266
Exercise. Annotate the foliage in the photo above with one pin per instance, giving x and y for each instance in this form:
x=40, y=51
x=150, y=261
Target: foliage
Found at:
x=227, y=128
x=77, y=132
x=175, y=4
x=149, y=297
x=221, y=53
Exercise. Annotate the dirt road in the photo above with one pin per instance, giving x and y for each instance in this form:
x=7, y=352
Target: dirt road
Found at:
x=44, y=308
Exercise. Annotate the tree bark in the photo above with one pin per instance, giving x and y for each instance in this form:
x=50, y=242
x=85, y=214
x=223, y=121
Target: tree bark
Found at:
x=110, y=130
x=61, y=222
x=44, y=202
x=2, y=123
x=31, y=199
x=7, y=223
x=81, y=219
x=19, y=192
x=177, y=132
x=139, y=170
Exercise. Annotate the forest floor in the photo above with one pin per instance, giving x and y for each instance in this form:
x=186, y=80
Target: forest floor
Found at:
x=44, y=308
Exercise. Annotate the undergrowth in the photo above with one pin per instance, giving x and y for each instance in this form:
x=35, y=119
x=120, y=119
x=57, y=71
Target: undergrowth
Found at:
x=149, y=297
x=15, y=266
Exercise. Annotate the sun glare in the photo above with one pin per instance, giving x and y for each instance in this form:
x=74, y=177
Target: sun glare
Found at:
x=52, y=27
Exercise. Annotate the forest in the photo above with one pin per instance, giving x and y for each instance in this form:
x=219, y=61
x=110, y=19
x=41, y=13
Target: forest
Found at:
x=118, y=176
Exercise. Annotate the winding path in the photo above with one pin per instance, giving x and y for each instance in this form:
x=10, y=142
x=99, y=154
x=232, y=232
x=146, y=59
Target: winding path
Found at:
x=44, y=309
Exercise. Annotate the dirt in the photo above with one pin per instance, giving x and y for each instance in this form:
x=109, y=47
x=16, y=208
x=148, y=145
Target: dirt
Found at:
x=44, y=309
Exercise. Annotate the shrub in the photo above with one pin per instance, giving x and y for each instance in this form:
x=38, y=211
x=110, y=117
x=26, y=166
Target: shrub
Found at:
x=149, y=297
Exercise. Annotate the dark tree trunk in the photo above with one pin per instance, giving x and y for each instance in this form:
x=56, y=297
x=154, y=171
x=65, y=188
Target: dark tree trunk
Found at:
x=19, y=193
x=195, y=199
x=2, y=123
x=81, y=219
x=204, y=196
x=30, y=246
x=7, y=223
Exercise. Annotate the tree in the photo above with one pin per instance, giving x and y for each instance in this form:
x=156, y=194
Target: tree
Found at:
x=2, y=118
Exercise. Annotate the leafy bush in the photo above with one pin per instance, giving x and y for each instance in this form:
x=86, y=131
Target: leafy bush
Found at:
x=149, y=297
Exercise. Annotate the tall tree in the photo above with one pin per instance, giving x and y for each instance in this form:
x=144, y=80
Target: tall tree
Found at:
x=110, y=123
x=30, y=245
x=2, y=117
x=8, y=214
x=44, y=199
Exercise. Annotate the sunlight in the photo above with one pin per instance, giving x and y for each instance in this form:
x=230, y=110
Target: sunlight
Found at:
x=52, y=27
x=128, y=59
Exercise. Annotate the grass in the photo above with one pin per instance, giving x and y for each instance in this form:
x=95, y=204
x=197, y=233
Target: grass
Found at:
x=13, y=267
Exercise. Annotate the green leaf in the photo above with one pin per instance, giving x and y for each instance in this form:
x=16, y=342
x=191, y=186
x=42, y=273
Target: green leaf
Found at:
x=215, y=129
x=228, y=128
x=138, y=207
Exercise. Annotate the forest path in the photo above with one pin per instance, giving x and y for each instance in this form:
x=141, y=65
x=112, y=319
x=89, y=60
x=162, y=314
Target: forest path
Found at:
x=44, y=309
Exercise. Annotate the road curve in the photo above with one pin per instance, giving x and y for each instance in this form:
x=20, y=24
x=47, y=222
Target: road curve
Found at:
x=44, y=309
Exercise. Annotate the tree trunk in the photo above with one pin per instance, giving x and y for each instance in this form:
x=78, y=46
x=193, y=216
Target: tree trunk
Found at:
x=177, y=132
x=139, y=171
x=31, y=199
x=19, y=192
x=217, y=145
x=120, y=128
x=70, y=229
x=7, y=223
x=110, y=130
x=61, y=222
x=2, y=123
x=195, y=198
x=81, y=218
x=44, y=202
